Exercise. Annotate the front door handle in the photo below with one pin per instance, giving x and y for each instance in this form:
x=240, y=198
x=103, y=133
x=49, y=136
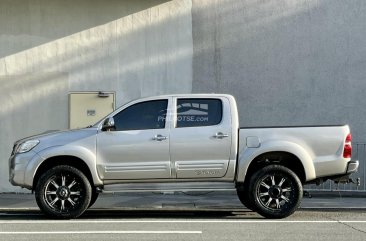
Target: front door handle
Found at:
x=220, y=135
x=159, y=138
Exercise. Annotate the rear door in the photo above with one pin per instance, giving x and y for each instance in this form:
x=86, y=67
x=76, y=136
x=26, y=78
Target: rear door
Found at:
x=200, y=140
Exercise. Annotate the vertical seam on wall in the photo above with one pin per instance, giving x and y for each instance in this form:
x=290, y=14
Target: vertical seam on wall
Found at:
x=192, y=53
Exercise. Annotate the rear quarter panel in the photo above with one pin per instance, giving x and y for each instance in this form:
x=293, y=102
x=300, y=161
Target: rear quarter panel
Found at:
x=320, y=149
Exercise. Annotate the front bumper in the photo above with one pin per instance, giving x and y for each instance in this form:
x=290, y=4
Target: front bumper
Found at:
x=18, y=164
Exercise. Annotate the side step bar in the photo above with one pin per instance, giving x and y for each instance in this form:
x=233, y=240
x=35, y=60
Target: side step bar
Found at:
x=168, y=187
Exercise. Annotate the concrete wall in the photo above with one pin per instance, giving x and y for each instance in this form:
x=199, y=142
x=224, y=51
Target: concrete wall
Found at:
x=49, y=48
x=288, y=62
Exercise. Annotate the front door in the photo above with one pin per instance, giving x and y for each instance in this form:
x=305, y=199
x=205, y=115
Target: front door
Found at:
x=138, y=148
x=200, y=141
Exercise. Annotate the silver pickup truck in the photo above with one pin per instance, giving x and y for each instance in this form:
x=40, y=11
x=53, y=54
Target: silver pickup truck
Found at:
x=180, y=143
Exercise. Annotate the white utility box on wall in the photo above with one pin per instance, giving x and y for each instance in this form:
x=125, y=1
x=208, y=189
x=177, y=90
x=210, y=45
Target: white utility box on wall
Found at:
x=86, y=108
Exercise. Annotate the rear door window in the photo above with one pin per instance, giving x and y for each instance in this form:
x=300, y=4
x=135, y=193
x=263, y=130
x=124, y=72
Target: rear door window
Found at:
x=198, y=112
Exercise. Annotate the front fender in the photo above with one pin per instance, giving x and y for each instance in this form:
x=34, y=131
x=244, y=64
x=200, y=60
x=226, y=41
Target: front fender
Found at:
x=247, y=155
x=76, y=151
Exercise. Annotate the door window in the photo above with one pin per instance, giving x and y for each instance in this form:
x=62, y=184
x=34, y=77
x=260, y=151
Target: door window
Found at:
x=198, y=112
x=142, y=116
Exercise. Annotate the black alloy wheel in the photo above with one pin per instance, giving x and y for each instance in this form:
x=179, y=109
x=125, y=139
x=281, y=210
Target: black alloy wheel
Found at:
x=276, y=191
x=63, y=192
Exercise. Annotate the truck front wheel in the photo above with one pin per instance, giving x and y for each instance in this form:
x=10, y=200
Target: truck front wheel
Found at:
x=276, y=191
x=63, y=192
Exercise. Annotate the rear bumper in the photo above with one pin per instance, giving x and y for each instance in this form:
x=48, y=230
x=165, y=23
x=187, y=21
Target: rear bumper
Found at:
x=352, y=167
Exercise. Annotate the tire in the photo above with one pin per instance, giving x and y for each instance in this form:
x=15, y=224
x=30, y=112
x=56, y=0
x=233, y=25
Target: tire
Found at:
x=94, y=197
x=244, y=197
x=276, y=191
x=63, y=192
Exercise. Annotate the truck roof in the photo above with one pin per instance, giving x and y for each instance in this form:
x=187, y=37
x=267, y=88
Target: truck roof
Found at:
x=187, y=95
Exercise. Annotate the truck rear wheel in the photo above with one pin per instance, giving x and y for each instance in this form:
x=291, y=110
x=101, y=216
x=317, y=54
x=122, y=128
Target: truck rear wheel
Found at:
x=63, y=192
x=276, y=191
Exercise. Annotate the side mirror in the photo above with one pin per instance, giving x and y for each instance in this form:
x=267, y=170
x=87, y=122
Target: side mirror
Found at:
x=108, y=124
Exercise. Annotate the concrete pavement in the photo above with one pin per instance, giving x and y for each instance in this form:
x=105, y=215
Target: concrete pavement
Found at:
x=189, y=201
x=191, y=216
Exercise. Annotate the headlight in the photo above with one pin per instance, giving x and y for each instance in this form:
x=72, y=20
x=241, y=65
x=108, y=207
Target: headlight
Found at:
x=27, y=146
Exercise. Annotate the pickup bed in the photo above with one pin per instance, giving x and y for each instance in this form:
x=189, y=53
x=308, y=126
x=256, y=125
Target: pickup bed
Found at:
x=186, y=142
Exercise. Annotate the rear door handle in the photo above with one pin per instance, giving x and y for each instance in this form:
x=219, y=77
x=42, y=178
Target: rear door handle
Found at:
x=220, y=135
x=159, y=138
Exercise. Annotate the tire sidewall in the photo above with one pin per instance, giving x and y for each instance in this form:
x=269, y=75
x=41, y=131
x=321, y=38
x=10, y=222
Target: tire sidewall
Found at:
x=244, y=197
x=296, y=197
x=94, y=197
x=41, y=189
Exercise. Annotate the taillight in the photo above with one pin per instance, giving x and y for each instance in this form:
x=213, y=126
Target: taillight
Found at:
x=347, y=151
